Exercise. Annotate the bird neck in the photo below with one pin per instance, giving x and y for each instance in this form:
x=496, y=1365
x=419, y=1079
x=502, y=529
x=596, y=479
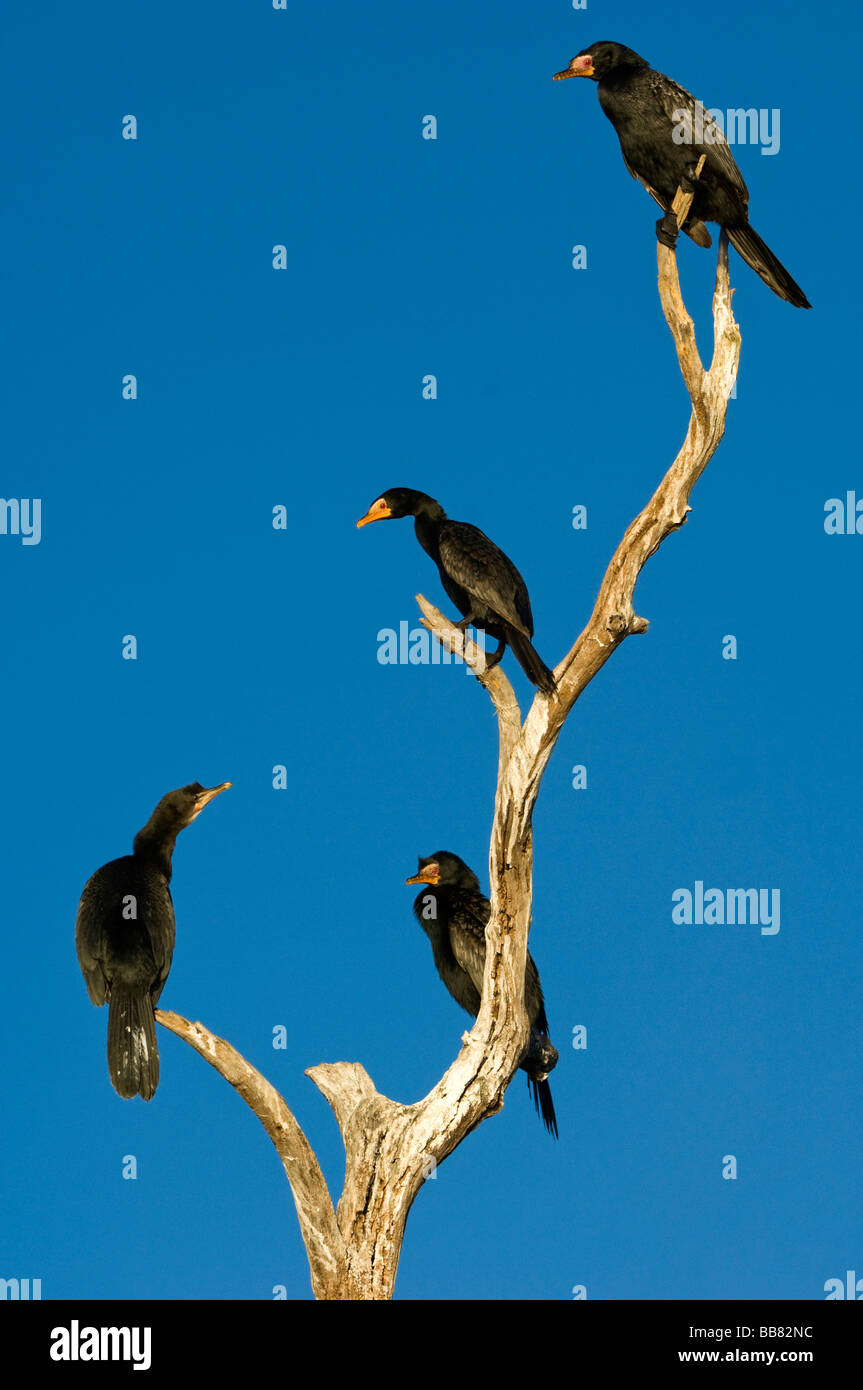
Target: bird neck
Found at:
x=427, y=524
x=155, y=843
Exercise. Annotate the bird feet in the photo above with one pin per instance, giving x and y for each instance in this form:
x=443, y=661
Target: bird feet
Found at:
x=667, y=230
x=492, y=658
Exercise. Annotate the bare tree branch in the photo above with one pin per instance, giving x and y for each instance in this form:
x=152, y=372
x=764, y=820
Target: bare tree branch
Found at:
x=314, y=1206
x=390, y=1148
x=493, y=678
x=676, y=315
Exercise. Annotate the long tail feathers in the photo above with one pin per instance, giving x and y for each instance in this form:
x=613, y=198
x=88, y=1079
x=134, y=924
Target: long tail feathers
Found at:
x=133, y=1057
x=530, y=661
x=541, y=1092
x=757, y=254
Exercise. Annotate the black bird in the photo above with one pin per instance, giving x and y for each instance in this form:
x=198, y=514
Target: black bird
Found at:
x=453, y=914
x=646, y=108
x=482, y=582
x=125, y=938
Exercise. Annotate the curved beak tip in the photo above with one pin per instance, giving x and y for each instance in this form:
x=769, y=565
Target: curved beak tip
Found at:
x=585, y=69
x=210, y=792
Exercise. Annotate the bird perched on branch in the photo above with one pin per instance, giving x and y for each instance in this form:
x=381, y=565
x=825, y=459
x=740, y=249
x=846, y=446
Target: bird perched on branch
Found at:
x=125, y=938
x=663, y=131
x=453, y=914
x=482, y=582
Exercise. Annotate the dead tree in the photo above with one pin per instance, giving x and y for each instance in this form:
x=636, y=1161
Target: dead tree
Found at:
x=353, y=1251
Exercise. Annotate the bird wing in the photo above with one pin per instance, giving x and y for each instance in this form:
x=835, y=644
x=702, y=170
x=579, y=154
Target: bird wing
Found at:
x=161, y=930
x=652, y=191
x=644, y=184
x=673, y=99
x=458, y=983
x=109, y=941
x=480, y=568
x=467, y=936
x=89, y=939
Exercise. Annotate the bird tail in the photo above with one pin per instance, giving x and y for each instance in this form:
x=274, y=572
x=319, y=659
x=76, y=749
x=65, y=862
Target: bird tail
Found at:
x=530, y=661
x=757, y=254
x=133, y=1057
x=541, y=1092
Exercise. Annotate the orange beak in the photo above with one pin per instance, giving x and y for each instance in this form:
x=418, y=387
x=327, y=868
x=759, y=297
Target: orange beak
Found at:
x=376, y=512
x=579, y=67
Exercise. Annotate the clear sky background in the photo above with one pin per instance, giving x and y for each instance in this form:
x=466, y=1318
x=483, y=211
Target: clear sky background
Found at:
x=258, y=647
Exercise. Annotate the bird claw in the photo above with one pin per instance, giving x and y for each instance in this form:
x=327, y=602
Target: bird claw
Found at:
x=667, y=230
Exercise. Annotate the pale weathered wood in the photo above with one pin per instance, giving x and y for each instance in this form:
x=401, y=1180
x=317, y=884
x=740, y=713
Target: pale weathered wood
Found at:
x=390, y=1148
x=314, y=1206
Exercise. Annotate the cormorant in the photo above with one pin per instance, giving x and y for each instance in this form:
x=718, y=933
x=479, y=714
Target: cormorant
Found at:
x=453, y=914
x=125, y=938
x=482, y=582
x=648, y=110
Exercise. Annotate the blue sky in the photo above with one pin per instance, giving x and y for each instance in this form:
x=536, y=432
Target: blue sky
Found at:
x=258, y=647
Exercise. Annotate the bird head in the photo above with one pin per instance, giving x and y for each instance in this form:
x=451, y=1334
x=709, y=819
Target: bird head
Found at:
x=184, y=804
x=600, y=59
x=445, y=870
x=400, y=501
x=176, y=810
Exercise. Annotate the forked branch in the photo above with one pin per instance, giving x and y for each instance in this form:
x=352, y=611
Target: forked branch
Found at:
x=390, y=1149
